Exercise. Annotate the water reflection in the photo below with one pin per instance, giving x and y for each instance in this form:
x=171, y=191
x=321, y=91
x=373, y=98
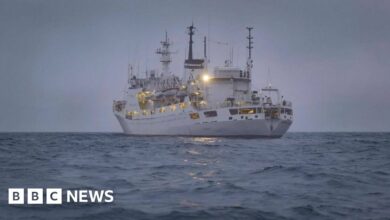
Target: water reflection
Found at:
x=205, y=140
x=193, y=152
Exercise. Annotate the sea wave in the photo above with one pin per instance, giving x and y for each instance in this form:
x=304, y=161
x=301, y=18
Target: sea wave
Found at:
x=300, y=176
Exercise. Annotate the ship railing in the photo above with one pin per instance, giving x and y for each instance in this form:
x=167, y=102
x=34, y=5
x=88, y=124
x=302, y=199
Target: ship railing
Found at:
x=241, y=104
x=274, y=111
x=227, y=104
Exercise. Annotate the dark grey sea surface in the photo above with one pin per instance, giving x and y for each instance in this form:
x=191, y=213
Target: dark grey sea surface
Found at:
x=299, y=176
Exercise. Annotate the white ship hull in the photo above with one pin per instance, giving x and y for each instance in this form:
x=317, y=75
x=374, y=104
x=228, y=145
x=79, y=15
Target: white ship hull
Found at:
x=204, y=102
x=180, y=124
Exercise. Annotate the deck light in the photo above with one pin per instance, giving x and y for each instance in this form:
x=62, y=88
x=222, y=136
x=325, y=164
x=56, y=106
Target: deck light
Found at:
x=205, y=77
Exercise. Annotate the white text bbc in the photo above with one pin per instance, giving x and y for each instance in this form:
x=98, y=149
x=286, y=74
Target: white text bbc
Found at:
x=54, y=196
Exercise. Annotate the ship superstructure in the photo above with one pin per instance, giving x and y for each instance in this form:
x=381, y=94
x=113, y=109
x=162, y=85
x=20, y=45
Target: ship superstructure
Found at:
x=203, y=102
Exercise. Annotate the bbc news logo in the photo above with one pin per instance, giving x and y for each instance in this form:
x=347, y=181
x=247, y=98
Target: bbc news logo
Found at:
x=16, y=196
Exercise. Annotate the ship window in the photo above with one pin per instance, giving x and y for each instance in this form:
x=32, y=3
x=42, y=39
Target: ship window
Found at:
x=288, y=111
x=194, y=115
x=210, y=114
x=129, y=115
x=233, y=111
x=267, y=112
x=259, y=110
x=245, y=111
x=183, y=105
x=282, y=111
x=230, y=118
x=275, y=113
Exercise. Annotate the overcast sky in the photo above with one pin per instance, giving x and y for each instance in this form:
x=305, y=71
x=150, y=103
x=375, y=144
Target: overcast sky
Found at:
x=62, y=62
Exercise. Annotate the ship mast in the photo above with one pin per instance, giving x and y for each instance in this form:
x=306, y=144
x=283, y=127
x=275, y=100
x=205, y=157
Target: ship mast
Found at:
x=206, y=61
x=191, y=33
x=204, y=48
x=165, y=55
x=249, y=62
x=193, y=67
x=130, y=73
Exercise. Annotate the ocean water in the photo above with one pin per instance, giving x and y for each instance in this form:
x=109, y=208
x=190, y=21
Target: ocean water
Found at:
x=299, y=176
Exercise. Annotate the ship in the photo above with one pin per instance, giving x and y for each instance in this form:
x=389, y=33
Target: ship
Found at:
x=204, y=101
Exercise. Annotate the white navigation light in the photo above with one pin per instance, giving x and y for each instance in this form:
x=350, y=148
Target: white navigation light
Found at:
x=205, y=77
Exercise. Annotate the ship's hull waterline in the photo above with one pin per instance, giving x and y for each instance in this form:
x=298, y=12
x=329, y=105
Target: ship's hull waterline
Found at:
x=268, y=128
